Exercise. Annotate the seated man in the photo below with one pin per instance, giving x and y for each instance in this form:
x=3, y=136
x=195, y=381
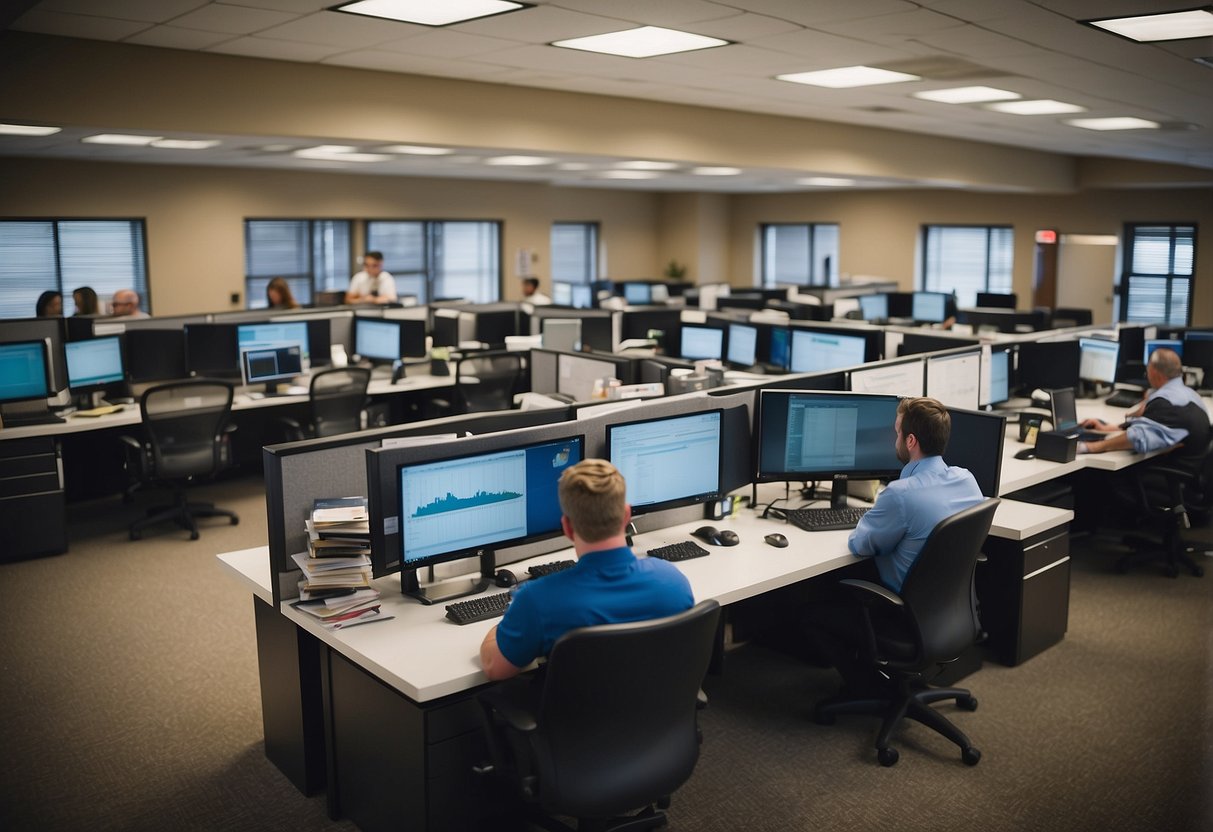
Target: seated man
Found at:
x=608, y=585
x=1172, y=415
x=372, y=284
x=126, y=304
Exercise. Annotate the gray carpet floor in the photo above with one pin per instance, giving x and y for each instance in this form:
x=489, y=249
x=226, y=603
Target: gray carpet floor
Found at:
x=131, y=702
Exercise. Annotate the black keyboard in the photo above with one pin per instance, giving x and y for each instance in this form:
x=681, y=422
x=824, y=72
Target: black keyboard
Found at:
x=478, y=609
x=683, y=550
x=825, y=519
x=542, y=570
x=1123, y=398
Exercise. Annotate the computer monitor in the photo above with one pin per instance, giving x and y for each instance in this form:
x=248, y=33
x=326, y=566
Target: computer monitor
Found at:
x=743, y=345
x=53, y=331
x=815, y=351
x=210, y=350
x=1065, y=411
x=781, y=347
x=996, y=300
x=913, y=343
x=1168, y=343
x=384, y=341
x=929, y=307
x=271, y=365
x=668, y=462
x=461, y=506
x=1097, y=360
x=805, y=435
x=874, y=307
x=896, y=378
x=638, y=294
x=1198, y=352
x=700, y=343
x=562, y=293
x=24, y=373
x=94, y=363
x=996, y=380
x=645, y=323
x=494, y=323
x=1047, y=364
x=741, y=300
x=583, y=296
x=976, y=443
x=274, y=334
x=955, y=380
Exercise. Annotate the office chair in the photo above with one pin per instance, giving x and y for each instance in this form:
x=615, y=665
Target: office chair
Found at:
x=185, y=425
x=911, y=637
x=613, y=728
x=488, y=381
x=337, y=398
x=1169, y=496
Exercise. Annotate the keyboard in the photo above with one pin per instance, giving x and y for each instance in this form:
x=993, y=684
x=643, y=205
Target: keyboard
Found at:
x=542, y=570
x=825, y=519
x=683, y=550
x=478, y=609
x=1123, y=398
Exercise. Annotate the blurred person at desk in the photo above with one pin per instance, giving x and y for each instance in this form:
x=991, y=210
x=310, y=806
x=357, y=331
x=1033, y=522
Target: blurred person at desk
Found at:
x=608, y=585
x=531, y=293
x=126, y=304
x=278, y=294
x=49, y=305
x=1170, y=415
x=372, y=284
x=85, y=298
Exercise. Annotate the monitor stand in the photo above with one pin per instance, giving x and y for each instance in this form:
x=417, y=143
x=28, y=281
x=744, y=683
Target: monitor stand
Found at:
x=449, y=590
x=838, y=492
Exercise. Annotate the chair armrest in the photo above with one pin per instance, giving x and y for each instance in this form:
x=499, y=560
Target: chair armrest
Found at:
x=131, y=442
x=230, y=427
x=873, y=591
x=1169, y=472
x=981, y=557
x=510, y=713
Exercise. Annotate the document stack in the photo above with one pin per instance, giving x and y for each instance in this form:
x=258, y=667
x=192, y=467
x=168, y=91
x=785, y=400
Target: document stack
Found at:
x=337, y=567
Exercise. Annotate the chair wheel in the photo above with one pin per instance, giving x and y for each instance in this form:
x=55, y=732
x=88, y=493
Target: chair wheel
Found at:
x=970, y=755
x=193, y=535
x=235, y=521
x=887, y=756
x=968, y=703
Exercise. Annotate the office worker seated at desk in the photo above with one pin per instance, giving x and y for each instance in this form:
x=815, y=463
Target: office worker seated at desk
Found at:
x=372, y=284
x=126, y=304
x=608, y=585
x=1171, y=415
x=892, y=534
x=531, y=293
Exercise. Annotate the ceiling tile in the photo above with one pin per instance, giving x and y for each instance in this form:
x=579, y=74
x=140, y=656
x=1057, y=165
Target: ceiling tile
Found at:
x=543, y=24
x=77, y=25
x=152, y=11
x=666, y=13
x=420, y=65
x=279, y=50
x=236, y=20
x=295, y=6
x=744, y=27
x=735, y=59
x=174, y=37
x=447, y=43
x=345, y=30
x=827, y=11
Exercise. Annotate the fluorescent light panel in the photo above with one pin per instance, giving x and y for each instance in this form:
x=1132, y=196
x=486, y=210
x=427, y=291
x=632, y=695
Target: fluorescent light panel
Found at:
x=186, y=144
x=121, y=139
x=845, y=77
x=1194, y=23
x=417, y=150
x=642, y=164
x=643, y=42
x=518, y=161
x=826, y=181
x=1114, y=123
x=339, y=153
x=630, y=174
x=27, y=130
x=1038, y=107
x=966, y=95
x=430, y=12
x=715, y=171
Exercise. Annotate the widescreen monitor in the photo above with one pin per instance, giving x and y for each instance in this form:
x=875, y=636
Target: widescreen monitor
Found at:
x=996, y=300
x=23, y=371
x=914, y=343
x=668, y=462
x=996, y=379
x=815, y=352
x=743, y=345
x=897, y=378
x=1047, y=364
x=210, y=350
x=702, y=342
x=1167, y=343
x=384, y=341
x=874, y=307
x=583, y=296
x=94, y=363
x=929, y=307
x=270, y=365
x=638, y=294
x=155, y=355
x=1097, y=360
x=976, y=443
x=274, y=334
x=955, y=380
x=493, y=324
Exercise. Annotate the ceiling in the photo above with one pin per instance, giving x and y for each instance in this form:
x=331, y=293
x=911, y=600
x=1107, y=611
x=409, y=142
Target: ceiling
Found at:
x=1035, y=49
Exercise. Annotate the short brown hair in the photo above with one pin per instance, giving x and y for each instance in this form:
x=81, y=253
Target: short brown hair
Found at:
x=929, y=421
x=593, y=497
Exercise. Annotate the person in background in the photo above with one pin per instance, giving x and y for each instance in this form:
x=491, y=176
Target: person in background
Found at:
x=126, y=304
x=50, y=305
x=278, y=294
x=372, y=284
x=531, y=293
x=86, y=301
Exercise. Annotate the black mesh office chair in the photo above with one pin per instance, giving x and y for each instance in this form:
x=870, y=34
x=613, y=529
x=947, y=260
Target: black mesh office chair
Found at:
x=911, y=637
x=1169, y=496
x=185, y=425
x=488, y=381
x=337, y=398
x=614, y=728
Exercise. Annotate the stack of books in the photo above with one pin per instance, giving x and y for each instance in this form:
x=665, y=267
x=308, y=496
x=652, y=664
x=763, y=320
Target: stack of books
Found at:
x=336, y=584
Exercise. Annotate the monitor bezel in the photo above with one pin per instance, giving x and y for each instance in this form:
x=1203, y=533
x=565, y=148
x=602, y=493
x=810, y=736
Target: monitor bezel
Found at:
x=998, y=449
x=678, y=502
x=402, y=339
x=96, y=385
x=807, y=331
x=1082, y=346
x=245, y=370
x=46, y=375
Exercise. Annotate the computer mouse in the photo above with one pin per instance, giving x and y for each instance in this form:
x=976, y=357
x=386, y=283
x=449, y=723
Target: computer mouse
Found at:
x=728, y=537
x=777, y=540
x=505, y=577
x=1026, y=453
x=708, y=534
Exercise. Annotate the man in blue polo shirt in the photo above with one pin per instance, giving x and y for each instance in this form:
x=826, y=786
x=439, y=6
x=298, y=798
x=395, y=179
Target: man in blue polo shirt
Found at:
x=608, y=585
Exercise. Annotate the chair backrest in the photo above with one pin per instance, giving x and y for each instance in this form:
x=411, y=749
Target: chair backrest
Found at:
x=338, y=397
x=488, y=381
x=184, y=421
x=617, y=724
x=938, y=588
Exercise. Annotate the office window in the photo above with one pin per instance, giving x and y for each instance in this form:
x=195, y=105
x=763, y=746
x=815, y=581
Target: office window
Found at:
x=313, y=256
x=805, y=254
x=63, y=255
x=575, y=252
x=966, y=259
x=435, y=259
x=1156, y=277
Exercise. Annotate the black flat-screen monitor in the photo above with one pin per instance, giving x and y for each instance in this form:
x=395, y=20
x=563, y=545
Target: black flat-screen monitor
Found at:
x=270, y=365
x=383, y=340
x=640, y=323
x=24, y=371
x=210, y=350
x=1098, y=360
x=929, y=307
x=668, y=462
x=1047, y=364
x=913, y=343
x=995, y=300
x=52, y=330
x=741, y=301
x=743, y=345
x=494, y=323
x=1198, y=352
x=155, y=355
x=976, y=443
x=816, y=351
x=700, y=342
x=264, y=334
x=94, y=363
x=874, y=307
x=1132, y=342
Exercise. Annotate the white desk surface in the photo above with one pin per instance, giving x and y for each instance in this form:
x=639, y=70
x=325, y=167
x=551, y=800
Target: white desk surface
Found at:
x=252, y=568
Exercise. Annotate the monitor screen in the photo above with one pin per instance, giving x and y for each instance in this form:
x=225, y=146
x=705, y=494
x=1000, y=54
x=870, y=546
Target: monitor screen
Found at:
x=210, y=350
x=668, y=462
x=804, y=435
x=955, y=380
x=874, y=307
x=271, y=364
x=901, y=378
x=583, y=296
x=702, y=342
x=155, y=354
x=743, y=345
x=1065, y=412
x=94, y=363
x=1047, y=364
x=996, y=380
x=930, y=307
x=1154, y=343
x=815, y=352
x=781, y=352
x=451, y=508
x=562, y=293
x=976, y=443
x=494, y=325
x=255, y=336
x=376, y=340
x=1097, y=360
x=637, y=294
x=23, y=375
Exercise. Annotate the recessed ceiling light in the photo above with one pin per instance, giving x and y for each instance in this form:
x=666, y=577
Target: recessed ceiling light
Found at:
x=629, y=174
x=715, y=171
x=967, y=95
x=574, y=166
x=848, y=76
x=644, y=42
x=641, y=164
x=518, y=161
x=1115, y=123
x=339, y=153
x=430, y=12
x=120, y=138
x=186, y=144
x=27, y=130
x=1038, y=107
x=826, y=181
x=417, y=150
x=1193, y=23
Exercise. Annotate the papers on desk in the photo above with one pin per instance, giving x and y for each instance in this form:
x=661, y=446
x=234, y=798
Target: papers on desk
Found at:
x=335, y=612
